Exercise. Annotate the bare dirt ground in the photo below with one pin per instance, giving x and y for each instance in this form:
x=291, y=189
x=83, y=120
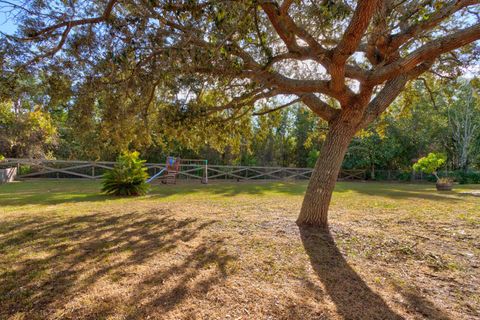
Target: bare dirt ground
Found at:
x=233, y=251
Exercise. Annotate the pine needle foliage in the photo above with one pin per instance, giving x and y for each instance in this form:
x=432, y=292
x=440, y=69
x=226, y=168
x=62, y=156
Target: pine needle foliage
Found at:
x=128, y=177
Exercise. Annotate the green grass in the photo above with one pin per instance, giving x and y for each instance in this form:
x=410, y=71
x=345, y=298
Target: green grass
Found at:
x=51, y=192
x=404, y=250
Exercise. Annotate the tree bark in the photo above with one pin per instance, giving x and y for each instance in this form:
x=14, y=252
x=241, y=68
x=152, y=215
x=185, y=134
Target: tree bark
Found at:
x=315, y=204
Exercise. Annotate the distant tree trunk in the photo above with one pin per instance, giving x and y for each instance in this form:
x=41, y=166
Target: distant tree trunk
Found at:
x=319, y=191
x=464, y=129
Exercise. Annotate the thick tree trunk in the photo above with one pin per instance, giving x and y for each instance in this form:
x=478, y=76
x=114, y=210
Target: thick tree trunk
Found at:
x=315, y=205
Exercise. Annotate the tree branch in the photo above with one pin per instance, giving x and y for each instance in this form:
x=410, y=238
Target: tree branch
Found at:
x=52, y=52
x=430, y=92
x=276, y=108
x=355, y=30
x=429, y=51
x=72, y=23
x=287, y=29
x=319, y=107
x=285, y=6
x=273, y=13
x=410, y=32
x=350, y=41
x=390, y=91
x=246, y=99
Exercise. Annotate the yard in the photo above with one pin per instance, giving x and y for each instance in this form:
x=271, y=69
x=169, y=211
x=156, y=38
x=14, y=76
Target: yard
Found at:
x=233, y=251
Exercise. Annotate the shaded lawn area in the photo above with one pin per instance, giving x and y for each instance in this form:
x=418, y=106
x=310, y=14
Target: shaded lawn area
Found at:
x=233, y=251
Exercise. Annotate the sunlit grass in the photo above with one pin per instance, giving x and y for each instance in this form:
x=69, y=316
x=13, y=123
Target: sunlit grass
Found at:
x=69, y=251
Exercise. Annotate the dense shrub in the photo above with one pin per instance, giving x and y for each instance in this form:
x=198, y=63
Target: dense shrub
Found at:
x=404, y=176
x=469, y=177
x=128, y=177
x=379, y=175
x=25, y=169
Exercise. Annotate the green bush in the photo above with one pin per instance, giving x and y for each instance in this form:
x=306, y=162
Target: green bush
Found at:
x=25, y=169
x=469, y=177
x=2, y=158
x=404, y=176
x=128, y=177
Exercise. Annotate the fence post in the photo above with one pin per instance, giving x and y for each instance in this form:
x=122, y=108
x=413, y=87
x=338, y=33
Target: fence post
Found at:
x=206, y=172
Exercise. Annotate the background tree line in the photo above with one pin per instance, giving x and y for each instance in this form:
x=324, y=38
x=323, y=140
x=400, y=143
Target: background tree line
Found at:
x=49, y=116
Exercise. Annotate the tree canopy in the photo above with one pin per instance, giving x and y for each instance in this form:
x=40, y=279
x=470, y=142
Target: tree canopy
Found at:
x=240, y=52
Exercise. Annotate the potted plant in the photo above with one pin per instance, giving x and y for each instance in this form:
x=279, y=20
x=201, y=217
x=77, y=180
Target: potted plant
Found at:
x=430, y=164
x=7, y=174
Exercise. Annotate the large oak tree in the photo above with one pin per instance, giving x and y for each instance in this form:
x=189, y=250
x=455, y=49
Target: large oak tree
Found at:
x=345, y=60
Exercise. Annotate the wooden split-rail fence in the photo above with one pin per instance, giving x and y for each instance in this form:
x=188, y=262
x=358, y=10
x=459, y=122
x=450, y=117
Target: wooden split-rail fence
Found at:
x=36, y=168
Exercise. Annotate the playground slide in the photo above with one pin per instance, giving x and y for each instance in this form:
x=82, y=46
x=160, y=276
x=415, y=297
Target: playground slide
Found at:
x=156, y=175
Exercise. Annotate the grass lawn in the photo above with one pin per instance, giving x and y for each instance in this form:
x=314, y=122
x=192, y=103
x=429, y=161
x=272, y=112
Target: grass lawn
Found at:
x=233, y=251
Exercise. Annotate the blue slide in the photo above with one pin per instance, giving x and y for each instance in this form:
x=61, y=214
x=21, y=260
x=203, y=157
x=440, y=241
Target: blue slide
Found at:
x=156, y=175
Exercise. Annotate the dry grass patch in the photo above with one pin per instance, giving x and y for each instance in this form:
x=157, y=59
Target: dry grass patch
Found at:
x=232, y=251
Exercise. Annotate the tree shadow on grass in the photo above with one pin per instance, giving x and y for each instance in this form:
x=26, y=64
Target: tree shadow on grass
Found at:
x=399, y=191
x=47, y=192
x=58, y=192
x=185, y=273
x=52, y=198
x=418, y=303
x=45, y=264
x=231, y=189
x=351, y=295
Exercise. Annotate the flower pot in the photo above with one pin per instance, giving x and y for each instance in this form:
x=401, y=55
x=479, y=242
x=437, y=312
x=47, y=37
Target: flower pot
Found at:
x=444, y=186
x=8, y=174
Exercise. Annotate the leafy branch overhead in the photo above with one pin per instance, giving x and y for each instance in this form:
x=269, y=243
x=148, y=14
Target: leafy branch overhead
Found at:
x=360, y=53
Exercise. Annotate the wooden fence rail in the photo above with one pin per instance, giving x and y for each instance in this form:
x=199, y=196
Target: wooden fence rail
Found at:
x=35, y=168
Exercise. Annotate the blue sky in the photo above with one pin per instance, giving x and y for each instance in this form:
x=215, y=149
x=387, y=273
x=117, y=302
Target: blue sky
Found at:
x=7, y=27
x=7, y=24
